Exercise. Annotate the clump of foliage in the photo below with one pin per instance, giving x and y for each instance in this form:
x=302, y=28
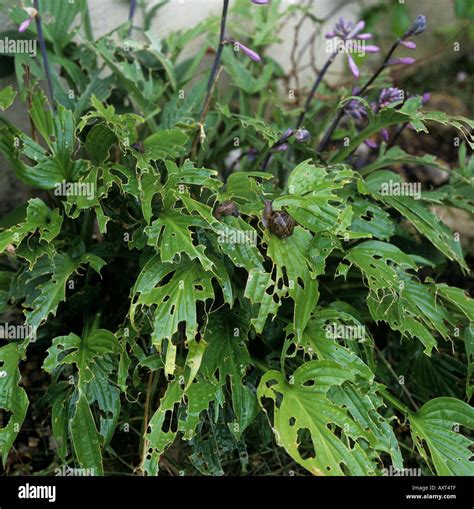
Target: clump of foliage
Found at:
x=239, y=281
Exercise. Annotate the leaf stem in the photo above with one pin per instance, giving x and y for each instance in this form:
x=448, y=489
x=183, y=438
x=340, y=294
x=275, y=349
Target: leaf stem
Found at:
x=44, y=54
x=330, y=131
x=394, y=402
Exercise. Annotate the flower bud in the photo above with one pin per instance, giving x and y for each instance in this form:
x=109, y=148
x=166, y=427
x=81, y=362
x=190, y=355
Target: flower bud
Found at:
x=417, y=27
x=302, y=135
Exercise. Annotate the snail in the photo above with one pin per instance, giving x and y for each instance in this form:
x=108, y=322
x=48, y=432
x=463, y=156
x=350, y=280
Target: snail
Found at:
x=278, y=222
x=227, y=208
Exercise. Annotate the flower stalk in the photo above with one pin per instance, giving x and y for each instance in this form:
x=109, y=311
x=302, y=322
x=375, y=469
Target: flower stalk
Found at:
x=44, y=54
x=416, y=28
x=217, y=59
x=131, y=15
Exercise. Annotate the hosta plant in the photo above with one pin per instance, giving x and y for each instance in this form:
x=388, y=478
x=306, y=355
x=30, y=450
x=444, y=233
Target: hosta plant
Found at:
x=208, y=275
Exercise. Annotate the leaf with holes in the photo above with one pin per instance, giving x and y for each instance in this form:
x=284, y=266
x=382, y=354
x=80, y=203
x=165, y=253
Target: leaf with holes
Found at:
x=448, y=450
x=13, y=399
x=315, y=431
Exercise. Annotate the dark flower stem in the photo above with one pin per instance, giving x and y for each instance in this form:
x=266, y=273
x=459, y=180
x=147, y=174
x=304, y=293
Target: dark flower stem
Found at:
x=315, y=86
x=131, y=15
x=306, y=107
x=44, y=54
x=217, y=59
x=327, y=136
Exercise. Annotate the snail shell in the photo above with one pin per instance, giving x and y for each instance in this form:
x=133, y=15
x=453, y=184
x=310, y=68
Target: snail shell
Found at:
x=278, y=222
x=227, y=208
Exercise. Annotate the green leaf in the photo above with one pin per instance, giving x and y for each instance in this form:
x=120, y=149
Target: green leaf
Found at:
x=39, y=218
x=7, y=96
x=449, y=450
x=46, y=295
x=161, y=435
x=186, y=284
x=170, y=234
x=82, y=352
x=98, y=143
x=13, y=398
x=242, y=77
x=415, y=211
x=303, y=404
x=85, y=437
x=226, y=360
x=167, y=144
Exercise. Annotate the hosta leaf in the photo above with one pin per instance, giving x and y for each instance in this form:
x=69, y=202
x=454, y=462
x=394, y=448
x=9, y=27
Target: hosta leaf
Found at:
x=171, y=235
x=186, y=284
x=99, y=141
x=406, y=305
x=266, y=131
x=415, y=211
x=7, y=96
x=303, y=403
x=396, y=156
x=238, y=240
x=167, y=144
x=291, y=274
x=226, y=361
x=85, y=437
x=47, y=295
x=82, y=352
x=179, y=177
x=323, y=335
x=124, y=126
x=449, y=450
x=13, y=398
x=364, y=408
x=39, y=218
x=373, y=259
x=458, y=298
x=294, y=270
x=371, y=220
x=312, y=201
x=161, y=435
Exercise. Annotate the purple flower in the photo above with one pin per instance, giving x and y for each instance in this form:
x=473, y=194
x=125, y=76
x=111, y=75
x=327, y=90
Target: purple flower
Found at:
x=250, y=53
x=283, y=147
x=408, y=44
x=402, y=60
x=355, y=109
x=417, y=27
x=389, y=96
x=260, y=2
x=347, y=31
x=32, y=12
x=287, y=134
x=370, y=143
x=302, y=135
